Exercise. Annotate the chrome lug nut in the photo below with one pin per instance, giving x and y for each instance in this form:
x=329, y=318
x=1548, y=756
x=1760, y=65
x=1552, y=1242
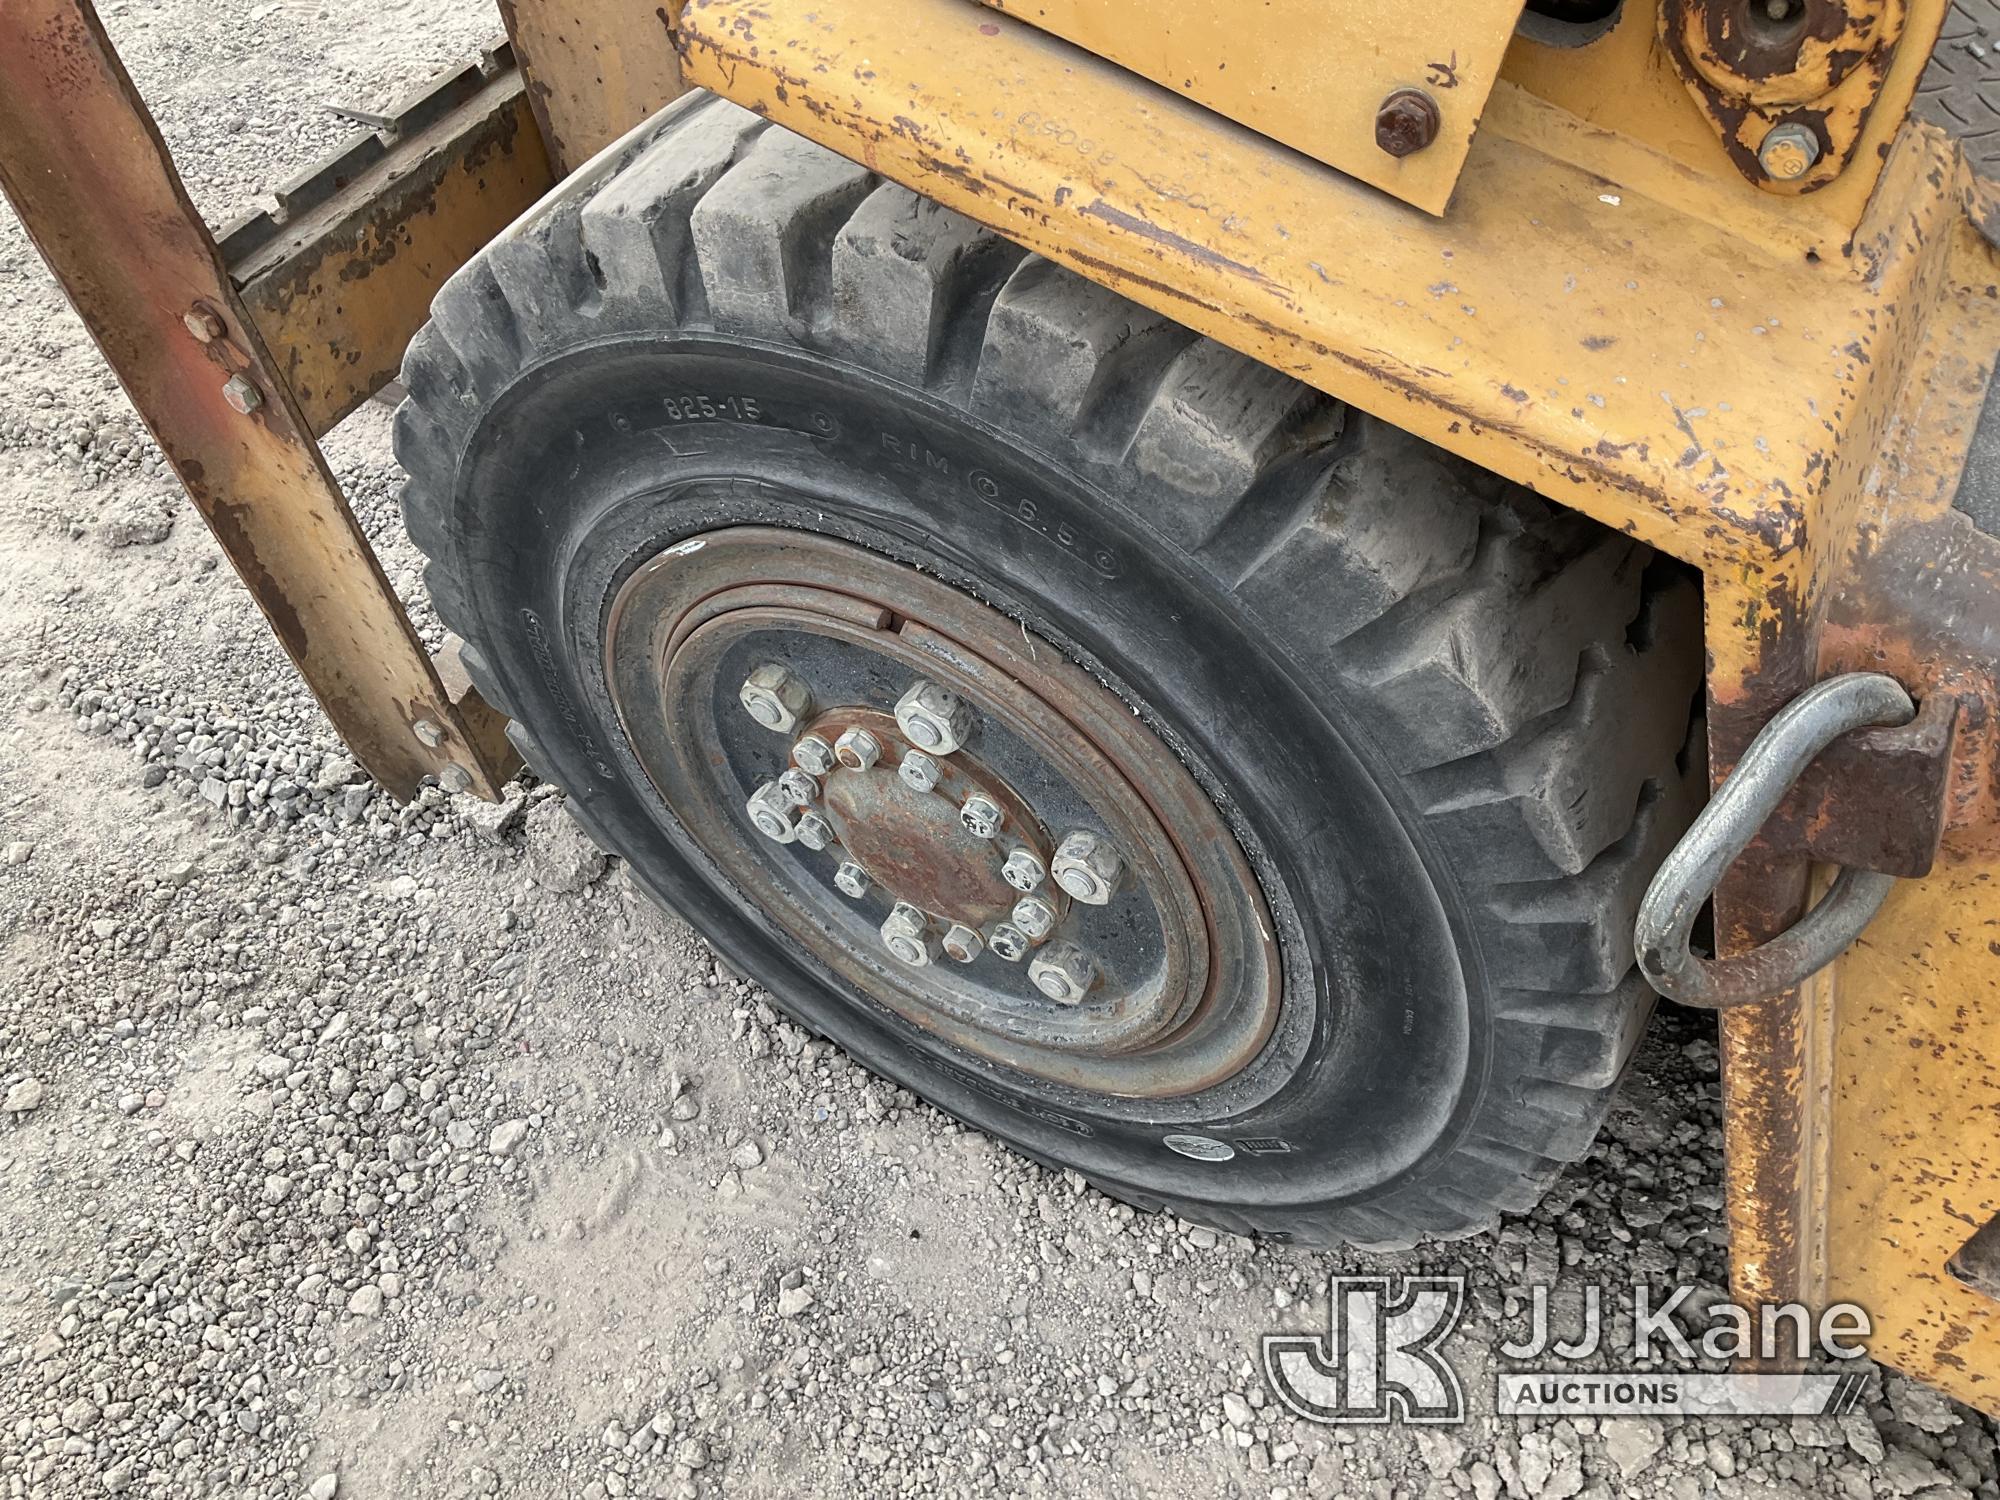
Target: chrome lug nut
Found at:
x=852, y=879
x=908, y=937
x=1087, y=867
x=814, y=831
x=1035, y=917
x=918, y=770
x=935, y=719
x=801, y=788
x=771, y=811
x=1008, y=941
x=962, y=945
x=857, y=749
x=813, y=755
x=1023, y=870
x=1063, y=973
x=981, y=816
x=776, y=697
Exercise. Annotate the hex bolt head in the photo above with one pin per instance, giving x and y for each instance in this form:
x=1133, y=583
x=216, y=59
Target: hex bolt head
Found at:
x=1023, y=870
x=1406, y=122
x=203, y=324
x=814, y=755
x=776, y=697
x=935, y=719
x=428, y=733
x=242, y=394
x=962, y=945
x=1035, y=917
x=801, y=788
x=857, y=749
x=814, y=831
x=1008, y=941
x=907, y=935
x=1063, y=973
x=455, y=779
x=771, y=813
x=981, y=816
x=1788, y=151
x=919, y=772
x=1087, y=867
x=852, y=879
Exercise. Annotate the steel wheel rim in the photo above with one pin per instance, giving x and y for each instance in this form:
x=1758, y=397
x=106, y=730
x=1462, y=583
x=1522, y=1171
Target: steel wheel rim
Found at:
x=1188, y=978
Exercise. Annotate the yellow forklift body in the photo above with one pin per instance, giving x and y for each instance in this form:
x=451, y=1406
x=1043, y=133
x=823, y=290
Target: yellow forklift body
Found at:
x=1333, y=81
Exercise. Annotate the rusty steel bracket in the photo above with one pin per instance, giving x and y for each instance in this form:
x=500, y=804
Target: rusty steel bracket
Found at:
x=1731, y=822
x=341, y=276
x=1787, y=87
x=1876, y=798
x=87, y=171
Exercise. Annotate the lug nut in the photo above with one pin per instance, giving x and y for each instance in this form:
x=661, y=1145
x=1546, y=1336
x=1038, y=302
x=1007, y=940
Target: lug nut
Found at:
x=857, y=749
x=981, y=816
x=935, y=719
x=814, y=831
x=771, y=811
x=776, y=697
x=1087, y=867
x=852, y=879
x=918, y=770
x=814, y=755
x=1035, y=917
x=908, y=937
x=1023, y=870
x=1063, y=972
x=1008, y=941
x=801, y=788
x=1788, y=151
x=962, y=945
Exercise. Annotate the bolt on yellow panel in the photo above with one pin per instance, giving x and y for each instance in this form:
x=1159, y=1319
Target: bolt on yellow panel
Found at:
x=1388, y=93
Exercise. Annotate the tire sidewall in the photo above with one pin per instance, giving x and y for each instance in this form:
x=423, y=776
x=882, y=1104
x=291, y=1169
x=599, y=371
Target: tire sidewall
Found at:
x=593, y=463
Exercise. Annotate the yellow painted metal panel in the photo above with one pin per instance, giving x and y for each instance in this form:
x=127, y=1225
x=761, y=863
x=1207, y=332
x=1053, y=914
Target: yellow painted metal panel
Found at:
x=1705, y=392
x=1622, y=86
x=1310, y=74
x=1915, y=1166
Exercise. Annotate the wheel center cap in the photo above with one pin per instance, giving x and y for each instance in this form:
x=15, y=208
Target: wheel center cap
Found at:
x=912, y=840
x=914, y=845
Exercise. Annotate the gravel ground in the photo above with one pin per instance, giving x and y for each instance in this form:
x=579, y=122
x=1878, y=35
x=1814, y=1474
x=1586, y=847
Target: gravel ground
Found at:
x=375, y=1151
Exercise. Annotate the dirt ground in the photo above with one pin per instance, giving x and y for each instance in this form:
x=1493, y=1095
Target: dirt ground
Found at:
x=408, y=1152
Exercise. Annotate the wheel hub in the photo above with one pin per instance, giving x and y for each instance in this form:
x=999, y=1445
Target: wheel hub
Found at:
x=976, y=832
x=915, y=843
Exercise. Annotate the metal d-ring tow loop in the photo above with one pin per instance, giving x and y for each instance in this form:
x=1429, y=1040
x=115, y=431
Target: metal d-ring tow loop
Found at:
x=1727, y=826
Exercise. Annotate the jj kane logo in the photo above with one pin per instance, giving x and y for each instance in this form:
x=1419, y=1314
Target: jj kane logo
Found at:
x=1382, y=1357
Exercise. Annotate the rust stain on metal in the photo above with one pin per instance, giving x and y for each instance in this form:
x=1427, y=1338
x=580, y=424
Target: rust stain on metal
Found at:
x=1822, y=65
x=595, y=70
x=912, y=842
x=1199, y=254
x=342, y=283
x=85, y=168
